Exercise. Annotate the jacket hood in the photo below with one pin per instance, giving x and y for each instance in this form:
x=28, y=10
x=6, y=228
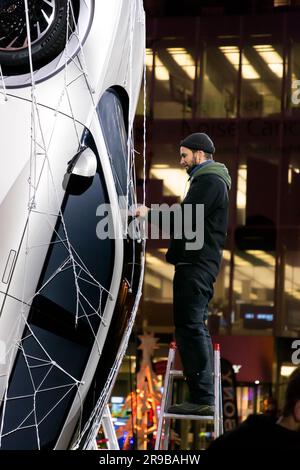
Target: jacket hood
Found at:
x=214, y=168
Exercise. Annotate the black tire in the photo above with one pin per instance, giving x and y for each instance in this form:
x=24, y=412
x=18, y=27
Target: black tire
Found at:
x=47, y=42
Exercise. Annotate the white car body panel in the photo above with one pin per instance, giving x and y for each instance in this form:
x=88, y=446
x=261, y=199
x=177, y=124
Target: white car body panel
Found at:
x=113, y=52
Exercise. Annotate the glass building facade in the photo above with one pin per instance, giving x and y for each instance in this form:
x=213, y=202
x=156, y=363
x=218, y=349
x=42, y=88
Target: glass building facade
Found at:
x=233, y=72
x=237, y=78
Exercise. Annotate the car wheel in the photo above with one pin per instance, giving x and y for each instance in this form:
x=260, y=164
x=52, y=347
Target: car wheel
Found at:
x=48, y=22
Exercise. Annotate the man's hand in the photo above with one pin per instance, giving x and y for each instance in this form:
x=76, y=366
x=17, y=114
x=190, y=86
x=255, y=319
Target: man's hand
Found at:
x=141, y=211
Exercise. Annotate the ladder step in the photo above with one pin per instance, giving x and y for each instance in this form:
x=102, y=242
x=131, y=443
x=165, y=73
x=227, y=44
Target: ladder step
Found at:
x=192, y=417
x=176, y=373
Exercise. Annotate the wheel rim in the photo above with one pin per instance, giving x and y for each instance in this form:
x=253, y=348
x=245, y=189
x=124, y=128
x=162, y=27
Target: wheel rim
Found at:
x=13, y=33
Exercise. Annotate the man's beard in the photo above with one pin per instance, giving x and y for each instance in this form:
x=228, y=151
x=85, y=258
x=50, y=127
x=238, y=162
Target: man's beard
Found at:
x=190, y=168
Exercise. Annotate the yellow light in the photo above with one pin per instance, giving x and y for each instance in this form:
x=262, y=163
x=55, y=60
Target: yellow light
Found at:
x=241, y=262
x=174, y=179
x=232, y=54
x=184, y=59
x=153, y=281
x=162, y=250
x=290, y=175
x=242, y=187
x=161, y=72
x=159, y=267
x=271, y=57
x=262, y=256
x=160, y=166
x=281, y=3
x=237, y=287
x=286, y=371
x=226, y=255
x=248, y=71
x=149, y=58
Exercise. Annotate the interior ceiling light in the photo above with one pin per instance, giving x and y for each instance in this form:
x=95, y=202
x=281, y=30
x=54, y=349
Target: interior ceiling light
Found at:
x=232, y=54
x=271, y=57
x=285, y=371
x=175, y=180
x=184, y=59
x=226, y=255
x=160, y=166
x=281, y=3
x=161, y=72
x=242, y=187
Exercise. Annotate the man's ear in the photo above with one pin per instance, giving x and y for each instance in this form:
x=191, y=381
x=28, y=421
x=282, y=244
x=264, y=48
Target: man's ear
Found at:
x=201, y=156
x=297, y=411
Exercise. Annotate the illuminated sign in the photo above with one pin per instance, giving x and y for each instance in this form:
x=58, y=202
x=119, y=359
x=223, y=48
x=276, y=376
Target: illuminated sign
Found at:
x=257, y=316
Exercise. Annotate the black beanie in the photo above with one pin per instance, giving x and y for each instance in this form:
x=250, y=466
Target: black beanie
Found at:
x=198, y=141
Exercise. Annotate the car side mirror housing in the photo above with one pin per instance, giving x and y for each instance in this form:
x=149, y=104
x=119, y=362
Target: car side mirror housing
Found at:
x=80, y=172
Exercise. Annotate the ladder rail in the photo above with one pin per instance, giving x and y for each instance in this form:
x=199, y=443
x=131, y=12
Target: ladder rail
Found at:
x=167, y=390
x=109, y=430
x=221, y=422
x=218, y=426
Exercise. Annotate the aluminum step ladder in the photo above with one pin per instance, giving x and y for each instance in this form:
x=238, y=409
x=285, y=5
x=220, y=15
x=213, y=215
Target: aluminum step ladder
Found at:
x=109, y=432
x=164, y=422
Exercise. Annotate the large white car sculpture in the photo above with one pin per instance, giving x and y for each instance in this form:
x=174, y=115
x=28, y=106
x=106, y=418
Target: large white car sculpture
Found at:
x=70, y=78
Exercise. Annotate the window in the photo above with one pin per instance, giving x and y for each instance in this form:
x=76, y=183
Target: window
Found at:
x=262, y=71
x=110, y=113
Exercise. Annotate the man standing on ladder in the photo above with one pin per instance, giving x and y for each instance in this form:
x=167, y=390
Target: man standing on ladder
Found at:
x=196, y=269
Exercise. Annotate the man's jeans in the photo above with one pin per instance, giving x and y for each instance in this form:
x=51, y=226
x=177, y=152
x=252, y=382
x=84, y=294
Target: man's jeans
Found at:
x=192, y=291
